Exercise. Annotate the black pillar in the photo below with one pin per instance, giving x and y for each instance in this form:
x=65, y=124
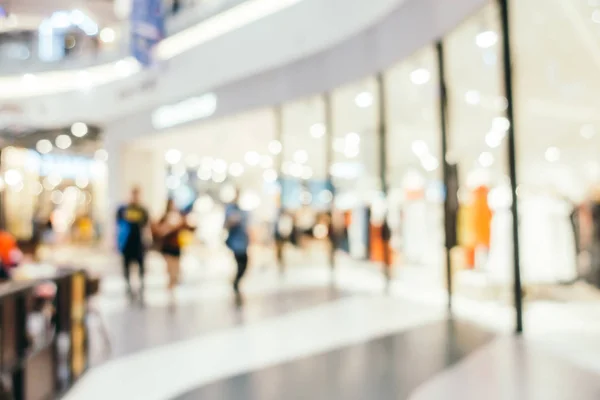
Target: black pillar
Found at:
x=383, y=170
x=279, y=242
x=329, y=162
x=450, y=187
x=508, y=91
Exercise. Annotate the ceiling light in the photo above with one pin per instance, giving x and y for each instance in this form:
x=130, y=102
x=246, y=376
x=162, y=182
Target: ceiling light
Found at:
x=486, y=159
x=252, y=158
x=420, y=76
x=101, y=155
x=318, y=130
x=364, y=100
x=79, y=129
x=494, y=139
x=275, y=147
x=420, y=148
x=596, y=16
x=219, y=166
x=107, y=35
x=588, y=131
x=301, y=156
x=486, y=39
x=552, y=154
x=12, y=177
x=430, y=163
x=500, y=124
x=352, y=139
x=44, y=146
x=270, y=175
x=236, y=169
x=173, y=156
x=473, y=97
x=63, y=142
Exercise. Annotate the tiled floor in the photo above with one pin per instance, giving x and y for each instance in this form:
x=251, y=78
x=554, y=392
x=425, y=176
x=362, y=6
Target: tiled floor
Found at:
x=297, y=336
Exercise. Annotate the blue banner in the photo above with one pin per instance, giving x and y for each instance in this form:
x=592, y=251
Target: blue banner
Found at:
x=147, y=28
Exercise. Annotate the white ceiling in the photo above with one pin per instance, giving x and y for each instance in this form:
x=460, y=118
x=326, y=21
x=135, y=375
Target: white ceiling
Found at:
x=557, y=58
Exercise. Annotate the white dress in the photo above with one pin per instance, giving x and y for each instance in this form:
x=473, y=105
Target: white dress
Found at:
x=547, y=241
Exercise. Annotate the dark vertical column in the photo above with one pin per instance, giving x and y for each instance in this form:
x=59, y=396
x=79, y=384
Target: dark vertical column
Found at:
x=383, y=171
x=512, y=169
x=279, y=243
x=329, y=125
x=449, y=206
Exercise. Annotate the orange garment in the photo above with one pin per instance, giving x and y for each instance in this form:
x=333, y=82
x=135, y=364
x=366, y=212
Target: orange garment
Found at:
x=482, y=217
x=9, y=251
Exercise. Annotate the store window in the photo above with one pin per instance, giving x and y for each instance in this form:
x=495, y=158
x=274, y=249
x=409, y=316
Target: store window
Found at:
x=558, y=138
x=356, y=159
x=414, y=173
x=306, y=191
x=477, y=153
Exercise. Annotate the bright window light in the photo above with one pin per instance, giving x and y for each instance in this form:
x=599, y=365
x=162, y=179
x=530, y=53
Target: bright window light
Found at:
x=108, y=35
x=486, y=39
x=63, y=142
x=420, y=76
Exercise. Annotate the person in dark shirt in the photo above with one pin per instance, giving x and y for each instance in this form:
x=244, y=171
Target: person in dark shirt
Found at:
x=132, y=221
x=170, y=227
x=236, y=223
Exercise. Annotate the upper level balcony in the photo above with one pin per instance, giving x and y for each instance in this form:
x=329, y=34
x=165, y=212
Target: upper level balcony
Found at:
x=36, y=38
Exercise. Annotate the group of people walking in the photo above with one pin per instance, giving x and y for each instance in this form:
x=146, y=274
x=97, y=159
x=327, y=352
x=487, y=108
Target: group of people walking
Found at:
x=136, y=234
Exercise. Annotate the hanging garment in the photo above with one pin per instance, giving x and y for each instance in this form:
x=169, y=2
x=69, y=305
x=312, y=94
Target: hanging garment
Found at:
x=547, y=241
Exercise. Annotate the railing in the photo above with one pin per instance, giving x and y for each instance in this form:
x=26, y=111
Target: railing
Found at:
x=43, y=340
x=175, y=23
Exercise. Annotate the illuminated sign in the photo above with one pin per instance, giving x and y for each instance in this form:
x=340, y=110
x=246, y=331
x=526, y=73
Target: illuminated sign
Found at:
x=185, y=111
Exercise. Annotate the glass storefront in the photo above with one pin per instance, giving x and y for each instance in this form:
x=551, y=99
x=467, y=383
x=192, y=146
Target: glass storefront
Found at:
x=414, y=170
x=355, y=162
x=328, y=149
x=556, y=57
x=477, y=129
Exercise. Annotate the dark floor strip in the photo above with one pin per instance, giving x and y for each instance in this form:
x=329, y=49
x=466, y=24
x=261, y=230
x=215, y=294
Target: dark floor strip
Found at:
x=137, y=329
x=386, y=368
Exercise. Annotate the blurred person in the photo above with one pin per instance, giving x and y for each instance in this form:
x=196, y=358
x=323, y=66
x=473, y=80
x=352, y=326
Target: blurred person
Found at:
x=169, y=230
x=236, y=223
x=132, y=224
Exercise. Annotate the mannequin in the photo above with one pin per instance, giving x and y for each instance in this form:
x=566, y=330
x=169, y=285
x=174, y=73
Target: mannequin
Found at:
x=548, y=241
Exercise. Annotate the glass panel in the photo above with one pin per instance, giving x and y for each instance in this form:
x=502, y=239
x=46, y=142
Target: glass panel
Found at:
x=557, y=56
x=477, y=151
x=306, y=193
x=414, y=170
x=356, y=159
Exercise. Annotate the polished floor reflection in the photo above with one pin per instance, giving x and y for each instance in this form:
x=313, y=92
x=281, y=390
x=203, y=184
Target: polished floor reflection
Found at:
x=385, y=368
